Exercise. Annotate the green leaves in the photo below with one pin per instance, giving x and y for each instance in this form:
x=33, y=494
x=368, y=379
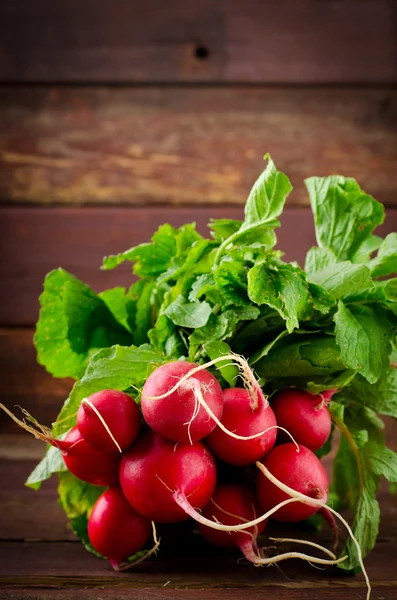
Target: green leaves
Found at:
x=150, y=259
x=344, y=215
x=342, y=278
x=73, y=322
x=361, y=460
x=385, y=263
x=188, y=314
x=363, y=334
x=51, y=463
x=264, y=205
x=266, y=200
x=381, y=461
x=284, y=288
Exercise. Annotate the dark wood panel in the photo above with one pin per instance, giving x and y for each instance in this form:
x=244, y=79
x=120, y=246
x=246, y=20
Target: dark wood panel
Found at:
x=68, y=565
x=190, y=145
x=36, y=240
x=228, y=41
x=25, y=383
x=174, y=594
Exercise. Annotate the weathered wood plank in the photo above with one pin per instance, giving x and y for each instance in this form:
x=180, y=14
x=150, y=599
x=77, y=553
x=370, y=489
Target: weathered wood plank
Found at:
x=193, y=145
x=36, y=240
x=25, y=383
x=179, y=594
x=227, y=41
x=68, y=565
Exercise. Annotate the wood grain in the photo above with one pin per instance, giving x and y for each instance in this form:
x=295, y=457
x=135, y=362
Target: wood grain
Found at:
x=285, y=41
x=170, y=145
x=25, y=383
x=36, y=240
x=179, y=594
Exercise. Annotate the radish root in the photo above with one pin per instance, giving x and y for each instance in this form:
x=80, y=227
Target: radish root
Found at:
x=40, y=432
x=249, y=553
x=306, y=543
x=130, y=565
x=313, y=502
x=250, y=383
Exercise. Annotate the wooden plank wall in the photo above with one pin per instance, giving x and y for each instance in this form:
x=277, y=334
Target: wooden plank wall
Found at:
x=116, y=117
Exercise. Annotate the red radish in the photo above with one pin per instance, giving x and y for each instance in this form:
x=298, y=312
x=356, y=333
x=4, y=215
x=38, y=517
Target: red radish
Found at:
x=154, y=468
x=109, y=420
x=301, y=471
x=232, y=504
x=178, y=416
x=304, y=415
x=115, y=529
x=239, y=417
x=84, y=461
x=87, y=463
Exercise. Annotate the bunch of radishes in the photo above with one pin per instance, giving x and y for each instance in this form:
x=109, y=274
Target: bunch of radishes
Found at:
x=166, y=470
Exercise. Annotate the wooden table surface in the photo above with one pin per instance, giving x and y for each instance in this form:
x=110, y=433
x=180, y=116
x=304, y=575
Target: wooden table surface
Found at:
x=41, y=559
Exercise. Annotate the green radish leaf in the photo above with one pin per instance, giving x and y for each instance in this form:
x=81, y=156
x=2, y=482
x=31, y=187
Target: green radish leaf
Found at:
x=264, y=205
x=344, y=215
x=318, y=259
x=381, y=460
x=221, y=229
x=188, y=314
x=385, y=263
x=51, y=463
x=343, y=278
x=281, y=287
x=74, y=321
x=381, y=396
x=228, y=370
x=367, y=248
x=150, y=259
x=121, y=304
x=363, y=334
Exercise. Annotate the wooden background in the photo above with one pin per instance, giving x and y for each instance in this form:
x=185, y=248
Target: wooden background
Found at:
x=116, y=117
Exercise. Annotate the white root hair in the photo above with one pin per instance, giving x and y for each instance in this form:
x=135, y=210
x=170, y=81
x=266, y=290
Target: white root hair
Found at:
x=130, y=565
x=102, y=420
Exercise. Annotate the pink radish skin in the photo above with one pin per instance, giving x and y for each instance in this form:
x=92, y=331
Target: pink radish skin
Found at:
x=154, y=468
x=87, y=463
x=170, y=416
x=304, y=415
x=115, y=529
x=120, y=414
x=240, y=418
x=301, y=471
x=237, y=500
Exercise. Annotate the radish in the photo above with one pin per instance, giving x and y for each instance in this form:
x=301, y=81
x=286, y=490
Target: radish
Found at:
x=239, y=417
x=178, y=416
x=302, y=471
x=154, y=469
x=115, y=529
x=185, y=411
x=109, y=420
x=81, y=459
x=232, y=504
x=304, y=415
x=88, y=463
